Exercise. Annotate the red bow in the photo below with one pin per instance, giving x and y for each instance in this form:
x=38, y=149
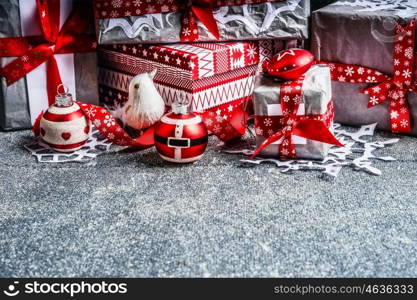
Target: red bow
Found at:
x=393, y=88
x=108, y=127
x=34, y=51
x=303, y=126
x=198, y=10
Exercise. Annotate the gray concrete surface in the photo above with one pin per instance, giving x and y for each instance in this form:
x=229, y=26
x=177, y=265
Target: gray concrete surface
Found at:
x=133, y=215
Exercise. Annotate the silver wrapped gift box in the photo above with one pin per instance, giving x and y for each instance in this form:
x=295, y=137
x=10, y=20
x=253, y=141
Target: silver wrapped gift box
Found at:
x=361, y=33
x=270, y=20
x=16, y=99
x=316, y=100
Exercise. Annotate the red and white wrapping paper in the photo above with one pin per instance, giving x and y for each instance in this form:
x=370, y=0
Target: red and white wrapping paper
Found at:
x=193, y=61
x=210, y=74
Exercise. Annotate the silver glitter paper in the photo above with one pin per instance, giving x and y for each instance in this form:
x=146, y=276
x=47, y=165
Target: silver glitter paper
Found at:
x=272, y=20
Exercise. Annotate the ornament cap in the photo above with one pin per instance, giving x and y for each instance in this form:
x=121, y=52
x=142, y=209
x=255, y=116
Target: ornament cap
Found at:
x=63, y=99
x=180, y=106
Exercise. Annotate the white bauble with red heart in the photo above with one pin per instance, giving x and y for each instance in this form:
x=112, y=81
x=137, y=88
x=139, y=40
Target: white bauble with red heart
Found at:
x=65, y=128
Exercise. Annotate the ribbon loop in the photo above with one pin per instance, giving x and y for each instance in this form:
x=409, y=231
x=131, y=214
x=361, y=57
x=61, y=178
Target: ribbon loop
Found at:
x=49, y=14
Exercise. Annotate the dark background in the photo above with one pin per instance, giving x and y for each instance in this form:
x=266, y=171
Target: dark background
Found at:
x=316, y=4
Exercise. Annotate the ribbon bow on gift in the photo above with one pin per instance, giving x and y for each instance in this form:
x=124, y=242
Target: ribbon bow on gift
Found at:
x=309, y=126
x=198, y=10
x=34, y=51
x=389, y=88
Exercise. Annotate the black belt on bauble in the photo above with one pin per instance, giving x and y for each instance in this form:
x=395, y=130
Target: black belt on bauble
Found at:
x=180, y=142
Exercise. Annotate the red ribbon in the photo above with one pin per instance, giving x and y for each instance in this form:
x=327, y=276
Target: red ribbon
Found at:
x=227, y=126
x=304, y=126
x=193, y=10
x=389, y=88
x=34, y=51
x=108, y=127
x=198, y=10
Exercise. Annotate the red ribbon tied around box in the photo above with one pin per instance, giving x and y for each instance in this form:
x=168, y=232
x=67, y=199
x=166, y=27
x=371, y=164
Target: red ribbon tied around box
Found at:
x=193, y=11
x=35, y=50
x=393, y=89
x=311, y=127
x=108, y=127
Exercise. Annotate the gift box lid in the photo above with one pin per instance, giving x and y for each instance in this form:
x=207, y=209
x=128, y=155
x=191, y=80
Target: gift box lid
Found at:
x=195, y=61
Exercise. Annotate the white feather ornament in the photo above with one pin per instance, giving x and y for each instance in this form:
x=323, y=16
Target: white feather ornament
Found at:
x=145, y=105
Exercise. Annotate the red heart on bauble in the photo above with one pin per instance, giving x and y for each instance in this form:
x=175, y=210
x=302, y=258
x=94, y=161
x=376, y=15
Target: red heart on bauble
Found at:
x=66, y=135
x=42, y=131
x=289, y=64
x=87, y=129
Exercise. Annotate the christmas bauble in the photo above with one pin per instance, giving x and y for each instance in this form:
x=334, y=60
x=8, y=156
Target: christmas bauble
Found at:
x=289, y=64
x=180, y=136
x=63, y=126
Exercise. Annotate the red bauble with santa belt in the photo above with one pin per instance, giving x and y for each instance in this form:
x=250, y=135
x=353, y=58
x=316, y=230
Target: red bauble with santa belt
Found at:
x=180, y=136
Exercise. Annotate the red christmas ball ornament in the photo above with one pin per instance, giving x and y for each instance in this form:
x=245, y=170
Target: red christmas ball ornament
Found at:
x=289, y=64
x=180, y=136
x=63, y=126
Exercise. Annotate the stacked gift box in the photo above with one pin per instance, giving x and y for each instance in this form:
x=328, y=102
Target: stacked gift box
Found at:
x=208, y=75
x=231, y=66
x=218, y=75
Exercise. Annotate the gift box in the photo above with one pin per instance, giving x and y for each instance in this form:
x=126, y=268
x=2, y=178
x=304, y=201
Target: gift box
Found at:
x=132, y=21
x=208, y=75
x=299, y=113
x=34, y=58
x=370, y=46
